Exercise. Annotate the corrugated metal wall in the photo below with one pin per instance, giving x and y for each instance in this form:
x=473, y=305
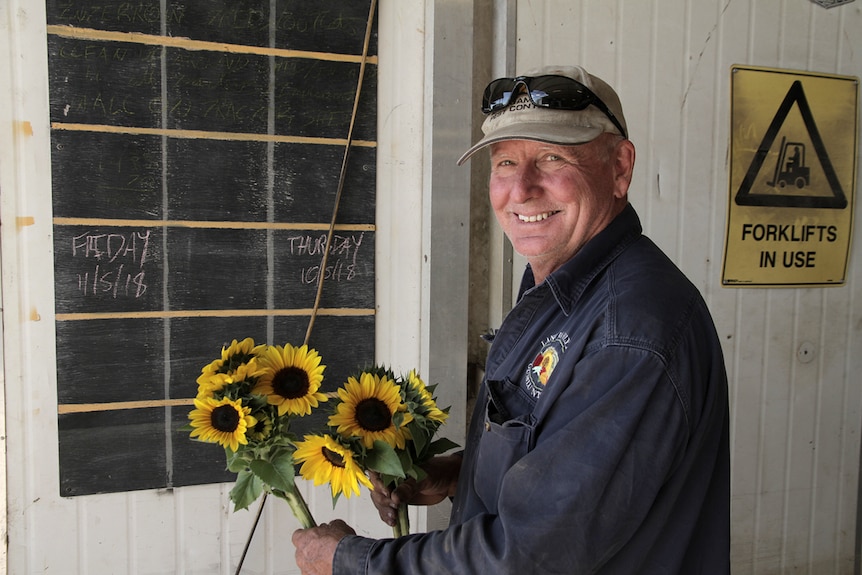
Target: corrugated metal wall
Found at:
x=795, y=420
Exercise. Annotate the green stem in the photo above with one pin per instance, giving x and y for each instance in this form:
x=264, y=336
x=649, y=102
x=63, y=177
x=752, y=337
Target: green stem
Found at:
x=402, y=525
x=299, y=507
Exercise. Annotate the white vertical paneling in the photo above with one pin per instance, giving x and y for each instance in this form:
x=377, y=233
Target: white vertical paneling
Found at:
x=25, y=208
x=198, y=533
x=689, y=235
x=399, y=179
x=152, y=533
x=643, y=96
x=795, y=423
x=745, y=363
x=104, y=534
x=796, y=25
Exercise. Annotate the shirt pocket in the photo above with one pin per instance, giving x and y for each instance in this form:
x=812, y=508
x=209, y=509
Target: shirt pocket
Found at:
x=507, y=436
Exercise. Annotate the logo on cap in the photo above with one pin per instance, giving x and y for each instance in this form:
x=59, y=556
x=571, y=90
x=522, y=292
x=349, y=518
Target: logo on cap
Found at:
x=522, y=102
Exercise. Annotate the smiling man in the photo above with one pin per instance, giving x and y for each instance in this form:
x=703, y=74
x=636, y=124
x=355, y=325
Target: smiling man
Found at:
x=599, y=442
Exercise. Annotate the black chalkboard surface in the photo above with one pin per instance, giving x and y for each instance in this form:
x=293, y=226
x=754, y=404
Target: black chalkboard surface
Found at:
x=196, y=155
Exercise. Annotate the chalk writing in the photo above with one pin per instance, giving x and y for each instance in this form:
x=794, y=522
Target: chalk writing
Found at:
x=120, y=258
x=114, y=281
x=344, y=248
x=112, y=246
x=326, y=20
x=109, y=12
x=238, y=18
x=312, y=245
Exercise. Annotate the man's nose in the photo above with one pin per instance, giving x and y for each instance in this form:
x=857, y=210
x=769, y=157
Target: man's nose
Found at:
x=526, y=183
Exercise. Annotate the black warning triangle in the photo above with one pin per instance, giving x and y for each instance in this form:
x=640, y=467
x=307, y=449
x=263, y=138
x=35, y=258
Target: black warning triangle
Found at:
x=744, y=197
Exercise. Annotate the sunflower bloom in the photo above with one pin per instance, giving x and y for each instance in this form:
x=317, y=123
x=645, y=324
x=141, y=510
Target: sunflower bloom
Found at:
x=223, y=421
x=262, y=429
x=218, y=384
x=325, y=460
x=367, y=411
x=236, y=354
x=429, y=406
x=290, y=378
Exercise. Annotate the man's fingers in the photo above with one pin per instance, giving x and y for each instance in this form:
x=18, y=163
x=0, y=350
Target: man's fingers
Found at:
x=403, y=493
x=377, y=482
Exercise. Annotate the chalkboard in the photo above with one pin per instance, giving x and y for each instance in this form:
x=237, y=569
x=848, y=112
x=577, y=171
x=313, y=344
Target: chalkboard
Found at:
x=196, y=155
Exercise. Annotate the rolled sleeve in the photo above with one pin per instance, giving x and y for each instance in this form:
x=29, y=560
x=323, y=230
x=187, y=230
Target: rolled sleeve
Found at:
x=351, y=555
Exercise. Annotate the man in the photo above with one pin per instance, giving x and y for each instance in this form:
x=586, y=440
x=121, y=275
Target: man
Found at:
x=599, y=443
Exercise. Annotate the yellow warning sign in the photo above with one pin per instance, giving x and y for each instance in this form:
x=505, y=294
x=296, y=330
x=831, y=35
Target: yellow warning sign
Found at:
x=792, y=177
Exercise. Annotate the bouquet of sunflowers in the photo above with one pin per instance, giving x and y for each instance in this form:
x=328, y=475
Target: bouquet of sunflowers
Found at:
x=248, y=397
x=246, y=400
x=380, y=423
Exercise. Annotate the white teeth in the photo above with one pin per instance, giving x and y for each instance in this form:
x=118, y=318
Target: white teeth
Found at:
x=536, y=218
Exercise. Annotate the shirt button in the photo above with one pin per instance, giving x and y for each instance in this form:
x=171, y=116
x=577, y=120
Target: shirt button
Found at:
x=487, y=426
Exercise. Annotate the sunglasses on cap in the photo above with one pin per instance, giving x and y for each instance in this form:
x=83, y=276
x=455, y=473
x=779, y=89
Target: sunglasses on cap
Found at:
x=551, y=91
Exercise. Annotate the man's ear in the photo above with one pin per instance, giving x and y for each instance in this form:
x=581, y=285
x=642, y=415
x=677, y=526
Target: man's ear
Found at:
x=624, y=164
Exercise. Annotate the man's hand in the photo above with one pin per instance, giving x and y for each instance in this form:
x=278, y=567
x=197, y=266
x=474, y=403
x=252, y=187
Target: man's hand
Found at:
x=440, y=483
x=315, y=547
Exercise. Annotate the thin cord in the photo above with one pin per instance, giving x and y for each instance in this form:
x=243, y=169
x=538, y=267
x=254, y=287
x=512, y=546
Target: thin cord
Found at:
x=323, y=262
x=343, y=170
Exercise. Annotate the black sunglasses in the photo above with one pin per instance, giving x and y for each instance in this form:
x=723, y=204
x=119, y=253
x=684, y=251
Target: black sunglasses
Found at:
x=551, y=91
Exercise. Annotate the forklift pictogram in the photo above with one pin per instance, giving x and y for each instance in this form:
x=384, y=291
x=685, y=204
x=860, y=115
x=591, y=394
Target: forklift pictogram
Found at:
x=791, y=170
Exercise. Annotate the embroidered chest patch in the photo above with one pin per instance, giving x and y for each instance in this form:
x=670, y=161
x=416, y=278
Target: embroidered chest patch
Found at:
x=539, y=371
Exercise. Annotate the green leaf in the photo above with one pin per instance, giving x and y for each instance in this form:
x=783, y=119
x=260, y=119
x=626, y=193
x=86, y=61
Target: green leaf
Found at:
x=419, y=435
x=441, y=445
x=235, y=461
x=278, y=473
x=384, y=460
x=248, y=487
x=405, y=459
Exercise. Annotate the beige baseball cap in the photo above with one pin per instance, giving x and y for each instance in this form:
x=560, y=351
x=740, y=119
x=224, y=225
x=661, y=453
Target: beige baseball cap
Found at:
x=523, y=120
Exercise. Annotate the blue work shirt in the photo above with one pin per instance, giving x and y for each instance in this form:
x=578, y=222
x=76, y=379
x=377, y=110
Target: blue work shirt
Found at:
x=599, y=442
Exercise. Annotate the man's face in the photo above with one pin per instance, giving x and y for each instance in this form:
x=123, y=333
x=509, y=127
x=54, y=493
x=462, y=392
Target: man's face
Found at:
x=550, y=200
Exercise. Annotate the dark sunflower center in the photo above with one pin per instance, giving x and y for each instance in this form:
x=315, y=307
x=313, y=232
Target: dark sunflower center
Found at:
x=225, y=418
x=334, y=458
x=291, y=382
x=373, y=415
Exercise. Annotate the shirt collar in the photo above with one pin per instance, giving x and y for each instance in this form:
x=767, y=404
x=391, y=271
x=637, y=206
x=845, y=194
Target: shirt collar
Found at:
x=568, y=282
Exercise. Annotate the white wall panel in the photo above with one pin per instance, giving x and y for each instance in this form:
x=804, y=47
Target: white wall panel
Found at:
x=795, y=417
x=190, y=530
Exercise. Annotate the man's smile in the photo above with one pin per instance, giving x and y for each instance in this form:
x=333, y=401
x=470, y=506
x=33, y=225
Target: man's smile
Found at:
x=536, y=217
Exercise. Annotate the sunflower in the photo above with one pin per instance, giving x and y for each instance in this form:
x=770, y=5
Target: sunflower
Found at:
x=368, y=410
x=290, y=378
x=219, y=384
x=428, y=404
x=222, y=421
x=325, y=460
x=232, y=357
x=260, y=430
